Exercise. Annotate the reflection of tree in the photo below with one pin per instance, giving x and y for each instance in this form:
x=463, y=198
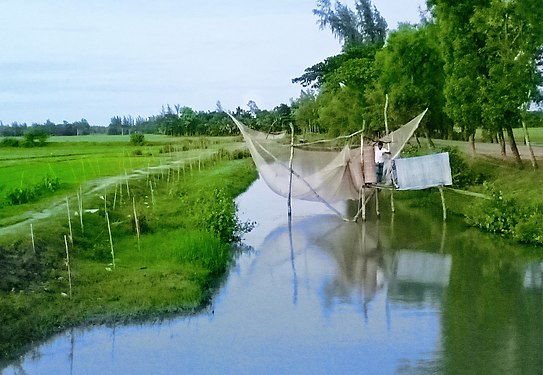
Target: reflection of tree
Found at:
x=491, y=323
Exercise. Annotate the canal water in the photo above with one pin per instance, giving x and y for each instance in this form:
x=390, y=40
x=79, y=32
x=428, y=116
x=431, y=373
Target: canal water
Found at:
x=404, y=294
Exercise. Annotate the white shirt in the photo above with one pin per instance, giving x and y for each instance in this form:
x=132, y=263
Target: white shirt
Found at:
x=379, y=158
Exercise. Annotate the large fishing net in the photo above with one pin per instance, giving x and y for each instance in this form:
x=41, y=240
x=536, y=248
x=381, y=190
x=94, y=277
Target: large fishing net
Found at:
x=319, y=174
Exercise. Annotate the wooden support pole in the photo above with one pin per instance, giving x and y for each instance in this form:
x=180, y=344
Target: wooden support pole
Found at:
x=290, y=171
x=377, y=202
x=443, y=203
x=392, y=207
x=364, y=204
x=386, y=119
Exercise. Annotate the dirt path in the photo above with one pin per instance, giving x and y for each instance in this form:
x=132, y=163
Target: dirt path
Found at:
x=493, y=149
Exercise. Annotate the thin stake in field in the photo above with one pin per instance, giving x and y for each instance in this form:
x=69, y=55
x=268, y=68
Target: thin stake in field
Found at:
x=32, y=236
x=136, y=221
x=110, y=241
x=152, y=193
x=68, y=266
x=69, y=222
x=127, y=188
x=115, y=196
x=80, y=202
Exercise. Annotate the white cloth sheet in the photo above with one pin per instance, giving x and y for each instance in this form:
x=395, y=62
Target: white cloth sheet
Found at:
x=422, y=172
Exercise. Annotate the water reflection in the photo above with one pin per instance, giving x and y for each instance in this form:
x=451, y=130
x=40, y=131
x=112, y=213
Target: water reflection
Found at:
x=533, y=276
x=401, y=295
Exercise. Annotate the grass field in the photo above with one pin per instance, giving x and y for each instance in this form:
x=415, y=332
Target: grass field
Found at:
x=77, y=160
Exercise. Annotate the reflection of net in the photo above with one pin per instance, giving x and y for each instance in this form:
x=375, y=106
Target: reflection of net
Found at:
x=318, y=175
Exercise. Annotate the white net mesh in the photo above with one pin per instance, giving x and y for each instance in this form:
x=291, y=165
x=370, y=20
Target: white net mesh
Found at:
x=317, y=175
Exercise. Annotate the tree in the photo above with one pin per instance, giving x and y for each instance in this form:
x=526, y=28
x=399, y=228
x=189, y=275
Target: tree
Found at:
x=305, y=111
x=513, y=43
x=364, y=25
x=460, y=47
x=35, y=136
x=410, y=70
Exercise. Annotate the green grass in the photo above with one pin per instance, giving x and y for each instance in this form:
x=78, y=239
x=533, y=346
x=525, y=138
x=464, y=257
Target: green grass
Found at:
x=75, y=163
x=536, y=135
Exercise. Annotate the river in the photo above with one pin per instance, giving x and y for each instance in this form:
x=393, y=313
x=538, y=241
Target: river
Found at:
x=404, y=294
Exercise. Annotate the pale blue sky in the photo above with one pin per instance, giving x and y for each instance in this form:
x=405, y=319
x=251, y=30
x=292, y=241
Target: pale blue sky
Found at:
x=73, y=59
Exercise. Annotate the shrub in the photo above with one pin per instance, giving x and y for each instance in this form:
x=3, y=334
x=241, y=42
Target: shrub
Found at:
x=10, y=142
x=495, y=215
x=530, y=230
x=137, y=139
x=218, y=215
x=35, y=137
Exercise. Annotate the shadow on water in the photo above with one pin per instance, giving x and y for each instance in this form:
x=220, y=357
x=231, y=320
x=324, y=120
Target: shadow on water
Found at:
x=405, y=294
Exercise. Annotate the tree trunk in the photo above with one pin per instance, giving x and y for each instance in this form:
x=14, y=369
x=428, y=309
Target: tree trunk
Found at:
x=428, y=138
x=513, y=144
x=527, y=141
x=472, y=143
x=501, y=139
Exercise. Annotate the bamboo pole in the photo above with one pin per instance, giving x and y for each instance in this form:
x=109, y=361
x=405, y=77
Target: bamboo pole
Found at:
x=392, y=207
x=385, y=113
x=377, y=211
x=68, y=265
x=290, y=169
x=443, y=202
x=363, y=204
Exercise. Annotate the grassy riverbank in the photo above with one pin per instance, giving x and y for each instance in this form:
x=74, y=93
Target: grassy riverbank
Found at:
x=508, y=199
x=171, y=237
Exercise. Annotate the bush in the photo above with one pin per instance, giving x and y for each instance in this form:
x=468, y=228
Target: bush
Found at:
x=10, y=142
x=35, y=137
x=495, y=215
x=137, y=139
x=507, y=217
x=218, y=215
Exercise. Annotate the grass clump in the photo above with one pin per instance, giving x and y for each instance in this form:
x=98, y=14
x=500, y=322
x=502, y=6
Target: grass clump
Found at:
x=24, y=194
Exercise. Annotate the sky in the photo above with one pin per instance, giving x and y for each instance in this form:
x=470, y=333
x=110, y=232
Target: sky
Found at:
x=65, y=60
